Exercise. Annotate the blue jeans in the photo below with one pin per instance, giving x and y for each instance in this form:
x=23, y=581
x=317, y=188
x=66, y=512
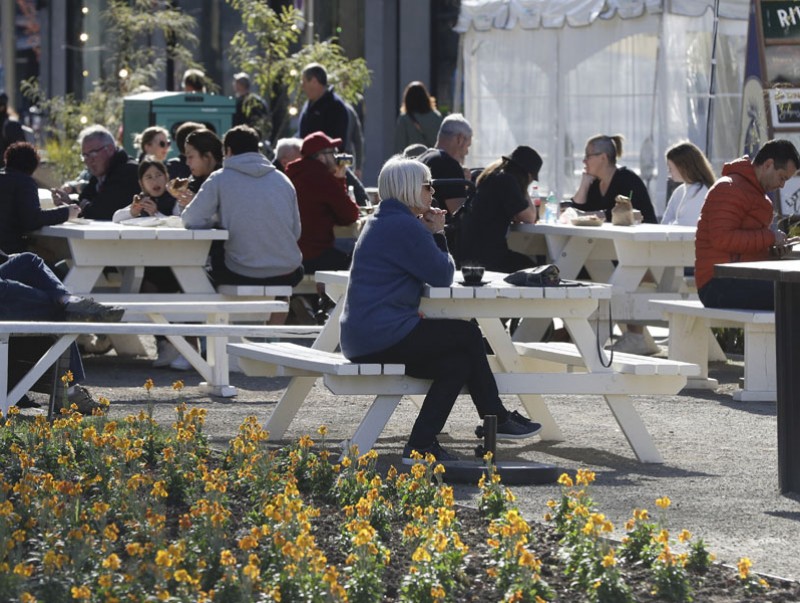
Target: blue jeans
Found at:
x=451, y=352
x=746, y=294
x=30, y=291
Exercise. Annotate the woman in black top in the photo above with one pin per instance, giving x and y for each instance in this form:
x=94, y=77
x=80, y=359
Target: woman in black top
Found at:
x=603, y=180
x=501, y=198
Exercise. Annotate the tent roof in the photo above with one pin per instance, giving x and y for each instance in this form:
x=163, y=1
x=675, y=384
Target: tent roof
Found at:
x=533, y=14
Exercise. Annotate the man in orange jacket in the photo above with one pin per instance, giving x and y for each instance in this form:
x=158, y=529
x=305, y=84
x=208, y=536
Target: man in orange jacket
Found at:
x=735, y=226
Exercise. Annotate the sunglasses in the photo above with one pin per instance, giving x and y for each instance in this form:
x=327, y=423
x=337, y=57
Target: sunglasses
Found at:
x=427, y=186
x=163, y=143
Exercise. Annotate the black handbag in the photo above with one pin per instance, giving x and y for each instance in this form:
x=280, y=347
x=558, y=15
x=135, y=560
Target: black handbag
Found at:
x=546, y=275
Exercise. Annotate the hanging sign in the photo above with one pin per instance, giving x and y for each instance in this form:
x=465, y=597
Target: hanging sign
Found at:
x=780, y=21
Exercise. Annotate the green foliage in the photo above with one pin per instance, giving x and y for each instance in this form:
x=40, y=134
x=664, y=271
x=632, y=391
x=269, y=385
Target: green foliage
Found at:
x=264, y=50
x=135, y=61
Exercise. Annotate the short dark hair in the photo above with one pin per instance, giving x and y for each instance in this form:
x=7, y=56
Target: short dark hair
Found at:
x=183, y=130
x=205, y=141
x=22, y=157
x=780, y=151
x=241, y=139
x=150, y=161
x=316, y=71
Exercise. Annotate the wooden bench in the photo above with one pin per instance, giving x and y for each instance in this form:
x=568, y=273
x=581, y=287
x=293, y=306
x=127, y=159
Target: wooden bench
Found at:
x=389, y=384
x=567, y=354
x=689, y=331
x=214, y=370
x=340, y=375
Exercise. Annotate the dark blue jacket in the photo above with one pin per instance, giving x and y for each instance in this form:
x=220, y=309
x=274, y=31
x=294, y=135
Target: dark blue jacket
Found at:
x=327, y=114
x=20, y=212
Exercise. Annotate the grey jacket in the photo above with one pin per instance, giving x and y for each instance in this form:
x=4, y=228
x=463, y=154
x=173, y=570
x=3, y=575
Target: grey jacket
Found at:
x=257, y=205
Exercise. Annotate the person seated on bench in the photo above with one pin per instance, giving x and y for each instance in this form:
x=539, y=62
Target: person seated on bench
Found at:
x=30, y=291
x=402, y=248
x=735, y=226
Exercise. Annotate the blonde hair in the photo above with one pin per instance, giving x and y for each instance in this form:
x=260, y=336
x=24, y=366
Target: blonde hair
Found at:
x=691, y=163
x=402, y=179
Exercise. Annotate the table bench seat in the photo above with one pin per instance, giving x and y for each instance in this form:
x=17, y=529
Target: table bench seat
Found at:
x=632, y=364
x=689, y=328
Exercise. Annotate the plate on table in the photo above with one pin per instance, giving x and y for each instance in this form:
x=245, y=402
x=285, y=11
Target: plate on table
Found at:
x=144, y=221
x=478, y=284
x=587, y=221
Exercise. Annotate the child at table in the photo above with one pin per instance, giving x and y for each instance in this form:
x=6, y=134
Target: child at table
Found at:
x=154, y=200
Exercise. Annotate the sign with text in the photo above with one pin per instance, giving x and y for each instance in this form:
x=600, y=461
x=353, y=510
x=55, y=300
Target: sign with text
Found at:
x=784, y=106
x=780, y=21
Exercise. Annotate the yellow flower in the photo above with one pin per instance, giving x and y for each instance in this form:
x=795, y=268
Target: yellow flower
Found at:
x=111, y=532
x=322, y=430
x=227, y=558
x=744, y=566
x=565, y=480
x=81, y=592
x=685, y=536
x=584, y=477
x=24, y=570
x=164, y=559
x=663, y=503
x=177, y=385
x=609, y=560
x=112, y=562
x=67, y=378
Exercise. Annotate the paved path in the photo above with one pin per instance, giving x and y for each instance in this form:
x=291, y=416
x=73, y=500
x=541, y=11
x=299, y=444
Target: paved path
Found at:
x=720, y=470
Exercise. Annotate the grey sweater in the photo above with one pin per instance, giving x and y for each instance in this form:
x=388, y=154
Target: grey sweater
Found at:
x=257, y=205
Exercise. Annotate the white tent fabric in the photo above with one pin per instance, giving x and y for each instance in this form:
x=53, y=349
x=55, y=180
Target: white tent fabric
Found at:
x=552, y=73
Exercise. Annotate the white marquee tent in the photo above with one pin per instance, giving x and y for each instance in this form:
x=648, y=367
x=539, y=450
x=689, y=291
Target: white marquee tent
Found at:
x=552, y=73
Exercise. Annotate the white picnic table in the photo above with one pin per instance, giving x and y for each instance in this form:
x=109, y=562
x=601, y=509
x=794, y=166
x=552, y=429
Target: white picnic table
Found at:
x=526, y=370
x=95, y=244
x=622, y=256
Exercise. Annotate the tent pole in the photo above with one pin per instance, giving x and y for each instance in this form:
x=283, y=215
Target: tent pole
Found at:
x=712, y=83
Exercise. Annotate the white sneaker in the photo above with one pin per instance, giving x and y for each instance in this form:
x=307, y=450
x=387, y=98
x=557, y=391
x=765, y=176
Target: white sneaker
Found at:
x=166, y=354
x=635, y=343
x=180, y=364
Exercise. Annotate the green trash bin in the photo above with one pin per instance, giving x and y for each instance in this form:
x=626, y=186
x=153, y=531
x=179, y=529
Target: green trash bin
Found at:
x=170, y=110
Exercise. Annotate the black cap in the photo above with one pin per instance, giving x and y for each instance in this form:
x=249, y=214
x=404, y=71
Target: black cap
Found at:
x=526, y=158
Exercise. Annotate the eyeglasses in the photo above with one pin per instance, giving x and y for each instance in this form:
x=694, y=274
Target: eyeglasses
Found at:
x=92, y=153
x=163, y=143
x=427, y=186
x=586, y=157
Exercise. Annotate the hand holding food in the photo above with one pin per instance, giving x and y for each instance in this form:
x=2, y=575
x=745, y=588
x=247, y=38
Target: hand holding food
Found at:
x=176, y=186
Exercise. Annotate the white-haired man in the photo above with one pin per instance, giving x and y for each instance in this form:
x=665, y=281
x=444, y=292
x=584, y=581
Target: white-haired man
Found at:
x=114, y=179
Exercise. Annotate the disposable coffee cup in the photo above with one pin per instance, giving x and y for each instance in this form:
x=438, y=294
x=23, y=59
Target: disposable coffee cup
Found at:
x=472, y=274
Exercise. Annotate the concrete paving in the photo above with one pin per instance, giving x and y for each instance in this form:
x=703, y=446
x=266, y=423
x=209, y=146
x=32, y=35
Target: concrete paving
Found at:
x=720, y=468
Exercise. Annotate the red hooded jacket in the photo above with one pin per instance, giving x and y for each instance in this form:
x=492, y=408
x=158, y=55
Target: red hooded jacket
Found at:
x=735, y=221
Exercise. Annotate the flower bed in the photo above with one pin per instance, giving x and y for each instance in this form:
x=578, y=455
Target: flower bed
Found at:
x=98, y=510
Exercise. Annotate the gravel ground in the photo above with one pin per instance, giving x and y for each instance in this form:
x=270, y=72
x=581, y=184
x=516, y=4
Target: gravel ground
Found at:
x=720, y=468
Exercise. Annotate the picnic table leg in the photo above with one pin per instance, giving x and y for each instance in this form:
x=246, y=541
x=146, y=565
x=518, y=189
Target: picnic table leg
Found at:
x=299, y=387
x=688, y=342
x=509, y=361
x=217, y=360
x=633, y=427
x=760, y=376
x=37, y=370
x=640, y=440
x=373, y=423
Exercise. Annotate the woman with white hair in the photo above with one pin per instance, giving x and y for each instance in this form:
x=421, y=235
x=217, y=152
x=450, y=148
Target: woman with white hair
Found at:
x=401, y=248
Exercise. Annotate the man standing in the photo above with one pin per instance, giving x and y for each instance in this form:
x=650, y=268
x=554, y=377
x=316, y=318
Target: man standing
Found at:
x=324, y=110
x=446, y=159
x=251, y=109
x=257, y=205
x=735, y=226
x=114, y=179
x=324, y=203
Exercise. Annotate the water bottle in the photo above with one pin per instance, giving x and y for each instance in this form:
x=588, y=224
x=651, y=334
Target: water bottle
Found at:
x=551, y=209
x=533, y=192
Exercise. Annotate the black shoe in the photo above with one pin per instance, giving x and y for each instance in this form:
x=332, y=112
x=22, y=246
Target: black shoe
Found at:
x=440, y=454
x=517, y=427
x=88, y=310
x=26, y=402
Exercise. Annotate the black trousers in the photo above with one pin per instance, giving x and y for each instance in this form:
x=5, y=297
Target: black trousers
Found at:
x=451, y=352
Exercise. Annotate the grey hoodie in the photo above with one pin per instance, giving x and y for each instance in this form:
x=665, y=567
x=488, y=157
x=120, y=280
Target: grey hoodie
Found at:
x=257, y=205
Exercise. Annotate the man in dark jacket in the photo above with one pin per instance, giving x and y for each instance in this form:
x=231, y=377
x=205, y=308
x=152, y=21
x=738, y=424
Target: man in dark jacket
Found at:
x=324, y=110
x=114, y=179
